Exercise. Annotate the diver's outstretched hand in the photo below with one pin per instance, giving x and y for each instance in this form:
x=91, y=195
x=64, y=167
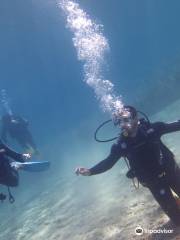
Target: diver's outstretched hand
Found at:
x=82, y=171
x=26, y=156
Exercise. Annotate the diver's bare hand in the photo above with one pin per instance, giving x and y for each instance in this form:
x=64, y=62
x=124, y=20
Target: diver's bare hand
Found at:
x=26, y=156
x=82, y=171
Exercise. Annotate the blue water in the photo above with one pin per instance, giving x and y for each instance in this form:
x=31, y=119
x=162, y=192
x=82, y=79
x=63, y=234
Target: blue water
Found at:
x=45, y=80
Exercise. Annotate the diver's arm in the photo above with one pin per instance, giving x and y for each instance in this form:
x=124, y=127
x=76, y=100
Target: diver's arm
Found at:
x=9, y=152
x=165, y=128
x=107, y=163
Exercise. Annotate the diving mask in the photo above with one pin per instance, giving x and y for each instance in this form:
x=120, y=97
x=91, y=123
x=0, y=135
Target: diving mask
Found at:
x=123, y=118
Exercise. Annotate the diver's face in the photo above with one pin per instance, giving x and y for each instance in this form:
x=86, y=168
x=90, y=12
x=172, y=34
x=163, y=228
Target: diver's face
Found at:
x=129, y=125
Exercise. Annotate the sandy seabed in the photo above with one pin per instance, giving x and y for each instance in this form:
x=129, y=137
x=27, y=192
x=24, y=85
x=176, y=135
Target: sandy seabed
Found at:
x=103, y=207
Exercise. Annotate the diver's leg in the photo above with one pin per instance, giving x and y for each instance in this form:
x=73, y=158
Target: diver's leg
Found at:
x=173, y=176
x=175, y=181
x=163, y=195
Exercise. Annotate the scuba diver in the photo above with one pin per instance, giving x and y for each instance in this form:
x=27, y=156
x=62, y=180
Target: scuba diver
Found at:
x=16, y=127
x=150, y=161
x=9, y=169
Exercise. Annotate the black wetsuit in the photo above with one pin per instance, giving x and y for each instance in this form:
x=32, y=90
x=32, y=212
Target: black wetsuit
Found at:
x=151, y=162
x=17, y=128
x=8, y=175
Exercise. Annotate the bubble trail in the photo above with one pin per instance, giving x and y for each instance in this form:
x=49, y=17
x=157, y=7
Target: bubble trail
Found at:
x=91, y=47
